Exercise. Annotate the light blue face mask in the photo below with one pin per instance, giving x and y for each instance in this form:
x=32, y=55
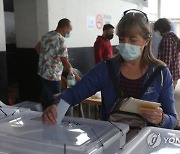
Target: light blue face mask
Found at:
x=128, y=51
x=67, y=35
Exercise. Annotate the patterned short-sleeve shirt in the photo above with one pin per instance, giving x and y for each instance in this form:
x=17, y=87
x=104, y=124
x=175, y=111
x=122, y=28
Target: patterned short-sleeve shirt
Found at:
x=52, y=49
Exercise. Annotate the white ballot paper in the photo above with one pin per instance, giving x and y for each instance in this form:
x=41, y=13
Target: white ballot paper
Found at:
x=136, y=105
x=61, y=110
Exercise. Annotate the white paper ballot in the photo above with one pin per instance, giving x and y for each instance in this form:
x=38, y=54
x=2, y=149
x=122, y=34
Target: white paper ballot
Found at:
x=61, y=110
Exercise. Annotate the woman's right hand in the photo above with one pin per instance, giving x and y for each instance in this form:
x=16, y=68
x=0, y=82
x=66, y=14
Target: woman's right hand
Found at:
x=49, y=115
x=154, y=116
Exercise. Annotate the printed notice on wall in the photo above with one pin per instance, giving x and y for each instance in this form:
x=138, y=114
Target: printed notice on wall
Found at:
x=107, y=19
x=91, y=22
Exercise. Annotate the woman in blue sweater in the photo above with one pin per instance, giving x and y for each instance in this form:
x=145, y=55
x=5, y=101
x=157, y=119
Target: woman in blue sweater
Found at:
x=133, y=66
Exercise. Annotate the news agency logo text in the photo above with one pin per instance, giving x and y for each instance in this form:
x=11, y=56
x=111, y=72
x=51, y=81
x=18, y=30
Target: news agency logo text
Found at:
x=154, y=140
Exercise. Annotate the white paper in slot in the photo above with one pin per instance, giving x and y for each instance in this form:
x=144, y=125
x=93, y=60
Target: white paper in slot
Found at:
x=61, y=110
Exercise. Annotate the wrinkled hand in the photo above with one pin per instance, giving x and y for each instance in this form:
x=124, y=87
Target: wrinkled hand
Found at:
x=49, y=115
x=154, y=116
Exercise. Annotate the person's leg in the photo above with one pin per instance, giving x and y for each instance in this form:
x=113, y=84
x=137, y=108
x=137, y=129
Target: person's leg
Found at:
x=43, y=94
x=49, y=89
x=178, y=120
x=175, y=83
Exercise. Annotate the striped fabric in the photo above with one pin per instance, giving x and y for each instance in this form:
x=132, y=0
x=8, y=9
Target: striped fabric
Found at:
x=169, y=52
x=131, y=88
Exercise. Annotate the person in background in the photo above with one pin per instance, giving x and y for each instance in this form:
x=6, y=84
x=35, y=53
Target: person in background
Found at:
x=156, y=39
x=133, y=66
x=53, y=57
x=169, y=47
x=102, y=46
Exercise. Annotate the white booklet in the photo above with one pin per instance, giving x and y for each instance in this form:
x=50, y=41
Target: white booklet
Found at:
x=136, y=105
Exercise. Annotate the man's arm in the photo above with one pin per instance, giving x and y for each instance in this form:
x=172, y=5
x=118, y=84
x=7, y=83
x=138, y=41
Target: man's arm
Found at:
x=68, y=67
x=98, y=50
x=38, y=47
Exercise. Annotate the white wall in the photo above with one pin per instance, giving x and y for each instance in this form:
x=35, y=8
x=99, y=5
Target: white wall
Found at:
x=152, y=10
x=2, y=28
x=42, y=18
x=31, y=21
x=10, y=28
x=33, y=18
x=170, y=9
x=25, y=23
x=79, y=11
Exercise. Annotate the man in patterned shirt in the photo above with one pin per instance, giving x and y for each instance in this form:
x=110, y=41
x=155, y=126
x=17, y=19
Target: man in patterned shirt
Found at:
x=53, y=57
x=169, y=47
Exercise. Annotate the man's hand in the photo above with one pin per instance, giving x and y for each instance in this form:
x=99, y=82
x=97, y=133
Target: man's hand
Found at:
x=49, y=115
x=38, y=48
x=76, y=76
x=68, y=66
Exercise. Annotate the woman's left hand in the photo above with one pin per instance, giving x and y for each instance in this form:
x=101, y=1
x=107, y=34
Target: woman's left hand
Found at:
x=154, y=116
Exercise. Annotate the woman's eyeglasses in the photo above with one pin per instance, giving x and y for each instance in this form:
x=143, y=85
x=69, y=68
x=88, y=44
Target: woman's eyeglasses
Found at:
x=136, y=11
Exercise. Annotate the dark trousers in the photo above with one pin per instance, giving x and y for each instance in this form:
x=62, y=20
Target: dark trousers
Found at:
x=49, y=88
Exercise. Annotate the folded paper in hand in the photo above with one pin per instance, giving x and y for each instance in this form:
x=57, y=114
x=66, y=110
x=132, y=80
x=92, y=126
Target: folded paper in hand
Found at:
x=136, y=105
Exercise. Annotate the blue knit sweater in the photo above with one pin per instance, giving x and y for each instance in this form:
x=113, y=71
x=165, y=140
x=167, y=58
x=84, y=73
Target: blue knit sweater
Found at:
x=98, y=79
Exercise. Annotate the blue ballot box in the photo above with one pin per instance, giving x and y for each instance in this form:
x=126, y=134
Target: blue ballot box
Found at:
x=153, y=140
x=72, y=136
